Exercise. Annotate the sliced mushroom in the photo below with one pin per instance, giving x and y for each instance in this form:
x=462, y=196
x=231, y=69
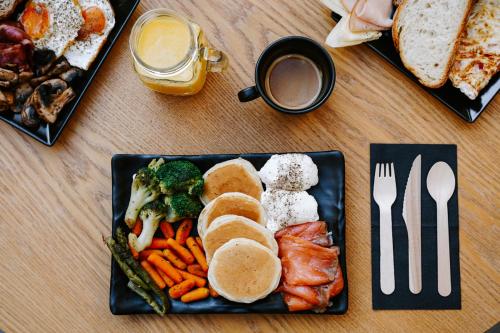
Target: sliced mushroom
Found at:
x=25, y=76
x=59, y=68
x=43, y=59
x=29, y=116
x=36, y=81
x=49, y=98
x=72, y=75
x=8, y=75
x=23, y=91
x=6, y=100
x=5, y=84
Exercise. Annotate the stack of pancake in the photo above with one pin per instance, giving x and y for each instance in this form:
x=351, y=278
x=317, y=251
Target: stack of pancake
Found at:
x=242, y=254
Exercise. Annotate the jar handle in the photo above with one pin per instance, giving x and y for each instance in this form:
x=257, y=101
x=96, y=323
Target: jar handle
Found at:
x=216, y=60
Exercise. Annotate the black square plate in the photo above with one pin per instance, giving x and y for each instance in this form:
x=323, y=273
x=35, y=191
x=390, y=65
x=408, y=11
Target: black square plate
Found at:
x=447, y=94
x=49, y=133
x=330, y=196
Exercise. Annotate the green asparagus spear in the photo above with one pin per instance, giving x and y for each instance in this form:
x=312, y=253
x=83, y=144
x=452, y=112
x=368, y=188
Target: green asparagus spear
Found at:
x=110, y=242
x=147, y=297
x=127, y=256
x=136, y=267
x=121, y=237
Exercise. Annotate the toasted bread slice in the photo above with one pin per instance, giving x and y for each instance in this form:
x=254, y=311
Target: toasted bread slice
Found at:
x=426, y=33
x=7, y=7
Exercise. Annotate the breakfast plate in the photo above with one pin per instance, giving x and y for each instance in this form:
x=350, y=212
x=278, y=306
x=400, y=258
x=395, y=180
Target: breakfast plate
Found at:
x=447, y=94
x=49, y=133
x=329, y=194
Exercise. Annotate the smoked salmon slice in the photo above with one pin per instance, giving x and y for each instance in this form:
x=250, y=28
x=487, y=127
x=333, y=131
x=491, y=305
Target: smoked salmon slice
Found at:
x=315, y=232
x=305, y=263
x=311, y=270
x=295, y=303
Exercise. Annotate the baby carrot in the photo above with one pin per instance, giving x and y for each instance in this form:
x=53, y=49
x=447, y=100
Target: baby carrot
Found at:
x=180, y=289
x=200, y=243
x=135, y=254
x=167, y=230
x=137, y=229
x=158, y=243
x=196, y=251
x=195, y=295
x=212, y=291
x=165, y=266
x=153, y=274
x=200, y=282
x=197, y=270
x=168, y=281
x=183, y=231
x=174, y=259
x=181, y=251
x=144, y=254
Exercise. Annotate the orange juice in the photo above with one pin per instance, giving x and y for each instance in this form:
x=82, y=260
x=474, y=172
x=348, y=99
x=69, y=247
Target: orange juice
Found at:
x=171, y=55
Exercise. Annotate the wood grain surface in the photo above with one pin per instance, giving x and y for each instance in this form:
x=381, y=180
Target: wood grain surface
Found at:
x=55, y=203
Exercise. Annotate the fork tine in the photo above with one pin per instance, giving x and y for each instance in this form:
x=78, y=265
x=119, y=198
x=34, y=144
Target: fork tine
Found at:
x=386, y=170
x=392, y=170
x=377, y=170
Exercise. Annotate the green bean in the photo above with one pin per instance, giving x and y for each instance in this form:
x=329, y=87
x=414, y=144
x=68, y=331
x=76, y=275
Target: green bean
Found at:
x=115, y=251
x=147, y=297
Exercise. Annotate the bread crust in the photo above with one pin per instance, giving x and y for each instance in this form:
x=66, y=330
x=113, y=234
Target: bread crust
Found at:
x=451, y=59
x=6, y=13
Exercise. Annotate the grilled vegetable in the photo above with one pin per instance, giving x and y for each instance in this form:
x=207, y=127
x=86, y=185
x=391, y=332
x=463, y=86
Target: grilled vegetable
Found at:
x=151, y=215
x=180, y=176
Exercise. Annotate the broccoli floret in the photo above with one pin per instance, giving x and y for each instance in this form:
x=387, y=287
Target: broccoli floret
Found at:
x=180, y=176
x=155, y=164
x=144, y=189
x=181, y=206
x=151, y=215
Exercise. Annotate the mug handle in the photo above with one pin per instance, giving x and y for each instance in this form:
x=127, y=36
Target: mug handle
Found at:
x=216, y=60
x=248, y=94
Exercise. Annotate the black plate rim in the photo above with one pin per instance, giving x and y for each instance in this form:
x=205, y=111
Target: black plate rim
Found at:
x=341, y=220
x=111, y=42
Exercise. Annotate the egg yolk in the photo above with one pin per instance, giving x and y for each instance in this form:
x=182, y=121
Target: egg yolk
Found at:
x=94, y=22
x=35, y=20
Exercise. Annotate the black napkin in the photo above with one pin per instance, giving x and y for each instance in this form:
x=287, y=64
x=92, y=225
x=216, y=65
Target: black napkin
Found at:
x=402, y=155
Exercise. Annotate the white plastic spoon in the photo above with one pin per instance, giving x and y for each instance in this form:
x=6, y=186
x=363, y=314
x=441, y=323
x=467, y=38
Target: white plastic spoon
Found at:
x=441, y=185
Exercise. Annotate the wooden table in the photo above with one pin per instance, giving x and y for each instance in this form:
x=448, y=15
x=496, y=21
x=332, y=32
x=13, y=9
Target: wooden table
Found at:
x=55, y=202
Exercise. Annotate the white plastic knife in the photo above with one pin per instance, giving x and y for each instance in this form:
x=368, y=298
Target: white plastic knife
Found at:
x=412, y=218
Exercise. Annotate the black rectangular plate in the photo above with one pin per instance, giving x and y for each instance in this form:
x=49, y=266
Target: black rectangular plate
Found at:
x=330, y=196
x=49, y=133
x=447, y=94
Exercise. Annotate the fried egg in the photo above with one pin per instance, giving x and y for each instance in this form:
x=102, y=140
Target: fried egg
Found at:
x=52, y=24
x=99, y=19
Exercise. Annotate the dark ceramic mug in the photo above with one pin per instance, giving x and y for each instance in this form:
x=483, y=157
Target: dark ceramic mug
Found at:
x=292, y=45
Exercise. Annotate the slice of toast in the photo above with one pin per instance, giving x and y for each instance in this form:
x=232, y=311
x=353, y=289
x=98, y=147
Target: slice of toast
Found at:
x=426, y=34
x=7, y=7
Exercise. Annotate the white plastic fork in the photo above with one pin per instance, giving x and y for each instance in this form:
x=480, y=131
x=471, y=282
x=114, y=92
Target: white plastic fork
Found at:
x=384, y=193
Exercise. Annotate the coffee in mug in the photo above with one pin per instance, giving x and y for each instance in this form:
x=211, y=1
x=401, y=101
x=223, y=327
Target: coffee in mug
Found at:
x=293, y=75
x=293, y=81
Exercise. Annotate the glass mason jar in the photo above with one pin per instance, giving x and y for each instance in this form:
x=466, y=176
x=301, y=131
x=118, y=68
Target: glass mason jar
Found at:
x=180, y=69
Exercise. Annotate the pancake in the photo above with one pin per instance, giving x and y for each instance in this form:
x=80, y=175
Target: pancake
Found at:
x=227, y=227
x=244, y=271
x=231, y=203
x=236, y=175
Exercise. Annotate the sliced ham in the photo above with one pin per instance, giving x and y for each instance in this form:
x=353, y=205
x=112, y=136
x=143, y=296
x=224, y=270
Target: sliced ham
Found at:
x=371, y=15
x=377, y=12
x=348, y=4
x=305, y=263
x=315, y=232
